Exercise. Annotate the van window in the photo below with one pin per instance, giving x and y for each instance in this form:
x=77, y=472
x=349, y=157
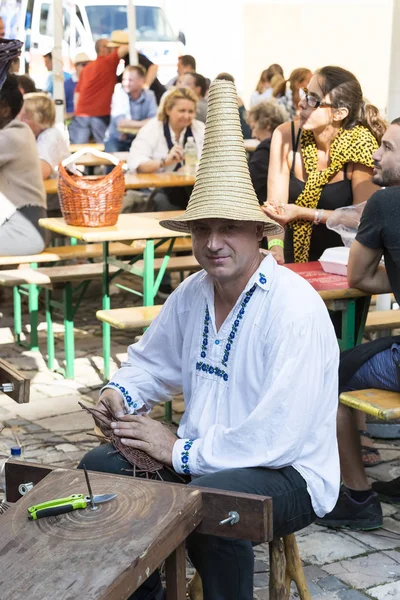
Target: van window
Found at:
x=151, y=24
x=46, y=26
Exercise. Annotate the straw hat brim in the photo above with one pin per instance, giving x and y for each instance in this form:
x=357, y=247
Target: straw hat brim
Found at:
x=182, y=223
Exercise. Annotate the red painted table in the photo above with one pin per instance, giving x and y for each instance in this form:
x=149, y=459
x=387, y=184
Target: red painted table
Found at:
x=350, y=303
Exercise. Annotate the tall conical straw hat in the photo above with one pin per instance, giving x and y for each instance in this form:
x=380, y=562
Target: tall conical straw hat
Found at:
x=223, y=188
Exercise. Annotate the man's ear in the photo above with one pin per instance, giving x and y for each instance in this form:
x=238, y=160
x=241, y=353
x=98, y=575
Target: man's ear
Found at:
x=260, y=231
x=339, y=114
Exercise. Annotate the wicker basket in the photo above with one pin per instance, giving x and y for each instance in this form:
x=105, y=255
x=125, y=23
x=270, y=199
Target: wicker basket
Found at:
x=91, y=201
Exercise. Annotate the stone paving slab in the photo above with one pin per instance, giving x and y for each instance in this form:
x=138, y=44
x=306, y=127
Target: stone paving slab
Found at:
x=389, y=591
x=327, y=546
x=365, y=571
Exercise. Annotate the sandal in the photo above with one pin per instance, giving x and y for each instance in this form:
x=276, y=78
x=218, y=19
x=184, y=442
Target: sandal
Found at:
x=370, y=455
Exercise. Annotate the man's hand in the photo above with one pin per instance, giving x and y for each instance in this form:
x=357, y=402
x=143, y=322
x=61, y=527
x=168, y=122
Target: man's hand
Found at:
x=113, y=400
x=143, y=433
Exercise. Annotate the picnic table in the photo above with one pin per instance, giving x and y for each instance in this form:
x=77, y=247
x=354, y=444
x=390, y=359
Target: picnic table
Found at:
x=352, y=304
x=132, y=227
x=137, y=181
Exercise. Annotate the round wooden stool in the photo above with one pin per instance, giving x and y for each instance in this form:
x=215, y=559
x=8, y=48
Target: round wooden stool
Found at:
x=285, y=567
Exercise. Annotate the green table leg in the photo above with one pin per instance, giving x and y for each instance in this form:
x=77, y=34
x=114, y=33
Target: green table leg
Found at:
x=33, y=304
x=148, y=274
x=365, y=302
x=17, y=314
x=50, y=331
x=106, y=306
x=349, y=325
x=69, y=344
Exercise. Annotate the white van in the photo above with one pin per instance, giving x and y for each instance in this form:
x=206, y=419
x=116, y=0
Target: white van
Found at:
x=86, y=21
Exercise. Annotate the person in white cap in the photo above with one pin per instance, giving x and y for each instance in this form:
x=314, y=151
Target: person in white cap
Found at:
x=251, y=346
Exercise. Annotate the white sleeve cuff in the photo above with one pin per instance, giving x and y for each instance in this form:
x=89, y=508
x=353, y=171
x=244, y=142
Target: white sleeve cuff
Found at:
x=131, y=405
x=183, y=457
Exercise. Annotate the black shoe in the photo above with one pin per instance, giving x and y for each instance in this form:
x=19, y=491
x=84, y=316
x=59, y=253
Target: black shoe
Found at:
x=389, y=490
x=354, y=515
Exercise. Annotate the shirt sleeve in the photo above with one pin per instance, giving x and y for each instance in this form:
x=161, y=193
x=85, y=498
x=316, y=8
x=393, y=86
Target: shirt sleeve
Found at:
x=370, y=231
x=143, y=147
x=152, y=108
x=277, y=430
x=153, y=371
x=144, y=61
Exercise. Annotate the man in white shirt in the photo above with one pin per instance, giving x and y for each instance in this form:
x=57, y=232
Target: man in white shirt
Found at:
x=132, y=106
x=252, y=347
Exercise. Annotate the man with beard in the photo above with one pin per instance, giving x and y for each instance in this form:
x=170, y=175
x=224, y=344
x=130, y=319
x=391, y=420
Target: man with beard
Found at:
x=377, y=364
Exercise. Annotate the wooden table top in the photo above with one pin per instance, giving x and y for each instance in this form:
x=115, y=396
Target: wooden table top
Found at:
x=134, y=226
x=328, y=285
x=97, y=555
x=76, y=147
x=136, y=181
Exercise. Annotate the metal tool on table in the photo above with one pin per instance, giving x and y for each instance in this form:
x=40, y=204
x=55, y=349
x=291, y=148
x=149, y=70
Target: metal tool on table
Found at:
x=60, y=506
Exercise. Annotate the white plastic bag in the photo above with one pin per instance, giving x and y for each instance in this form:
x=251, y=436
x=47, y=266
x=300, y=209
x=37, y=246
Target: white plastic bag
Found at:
x=345, y=222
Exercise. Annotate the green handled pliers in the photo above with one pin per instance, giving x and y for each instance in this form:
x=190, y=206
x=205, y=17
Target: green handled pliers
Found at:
x=60, y=506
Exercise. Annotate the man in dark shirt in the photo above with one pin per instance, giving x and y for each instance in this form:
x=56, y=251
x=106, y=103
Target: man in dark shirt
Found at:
x=377, y=364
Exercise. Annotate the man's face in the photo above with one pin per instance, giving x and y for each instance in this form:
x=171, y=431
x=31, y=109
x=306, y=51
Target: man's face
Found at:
x=180, y=67
x=2, y=28
x=132, y=82
x=48, y=62
x=387, y=159
x=103, y=49
x=186, y=80
x=225, y=248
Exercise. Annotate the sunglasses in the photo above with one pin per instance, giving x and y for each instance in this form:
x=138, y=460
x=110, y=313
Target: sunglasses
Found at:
x=313, y=102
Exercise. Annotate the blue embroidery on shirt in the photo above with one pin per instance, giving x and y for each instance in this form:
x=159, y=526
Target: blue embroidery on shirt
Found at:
x=125, y=393
x=205, y=367
x=185, y=456
x=262, y=278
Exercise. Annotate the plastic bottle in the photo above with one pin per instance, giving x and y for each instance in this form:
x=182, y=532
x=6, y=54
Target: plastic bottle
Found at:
x=190, y=154
x=15, y=452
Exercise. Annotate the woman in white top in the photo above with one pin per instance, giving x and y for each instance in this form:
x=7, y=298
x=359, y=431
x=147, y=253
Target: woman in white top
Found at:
x=22, y=194
x=159, y=145
x=39, y=113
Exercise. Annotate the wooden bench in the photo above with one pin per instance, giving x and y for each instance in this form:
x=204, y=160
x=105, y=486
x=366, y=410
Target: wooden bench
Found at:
x=133, y=317
x=67, y=275
x=379, y=320
x=381, y=404
x=91, y=251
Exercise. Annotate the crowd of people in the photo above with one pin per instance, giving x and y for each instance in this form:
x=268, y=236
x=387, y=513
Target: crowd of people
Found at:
x=322, y=147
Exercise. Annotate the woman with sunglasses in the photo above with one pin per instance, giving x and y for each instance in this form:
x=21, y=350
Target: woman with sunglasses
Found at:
x=321, y=163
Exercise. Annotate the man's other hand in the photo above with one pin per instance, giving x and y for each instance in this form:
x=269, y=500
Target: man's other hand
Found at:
x=144, y=433
x=113, y=400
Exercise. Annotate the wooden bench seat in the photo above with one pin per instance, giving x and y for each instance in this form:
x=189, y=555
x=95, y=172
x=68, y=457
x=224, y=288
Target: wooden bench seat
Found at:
x=90, y=251
x=379, y=403
x=382, y=319
x=47, y=276
x=133, y=317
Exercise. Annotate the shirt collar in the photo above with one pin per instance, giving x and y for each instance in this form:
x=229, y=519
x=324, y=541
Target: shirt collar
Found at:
x=140, y=98
x=262, y=277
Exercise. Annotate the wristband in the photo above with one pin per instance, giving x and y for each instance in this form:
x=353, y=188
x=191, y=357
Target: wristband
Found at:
x=162, y=162
x=276, y=242
x=318, y=216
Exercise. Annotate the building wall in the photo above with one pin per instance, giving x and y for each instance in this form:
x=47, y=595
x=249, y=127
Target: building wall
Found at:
x=245, y=36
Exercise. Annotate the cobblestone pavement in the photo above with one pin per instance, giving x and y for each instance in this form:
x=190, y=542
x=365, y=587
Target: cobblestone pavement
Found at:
x=53, y=429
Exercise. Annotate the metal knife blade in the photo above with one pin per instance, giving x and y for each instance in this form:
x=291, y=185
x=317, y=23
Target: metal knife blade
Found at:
x=100, y=498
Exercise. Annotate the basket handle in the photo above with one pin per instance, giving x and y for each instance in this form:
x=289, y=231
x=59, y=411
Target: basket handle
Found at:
x=93, y=151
